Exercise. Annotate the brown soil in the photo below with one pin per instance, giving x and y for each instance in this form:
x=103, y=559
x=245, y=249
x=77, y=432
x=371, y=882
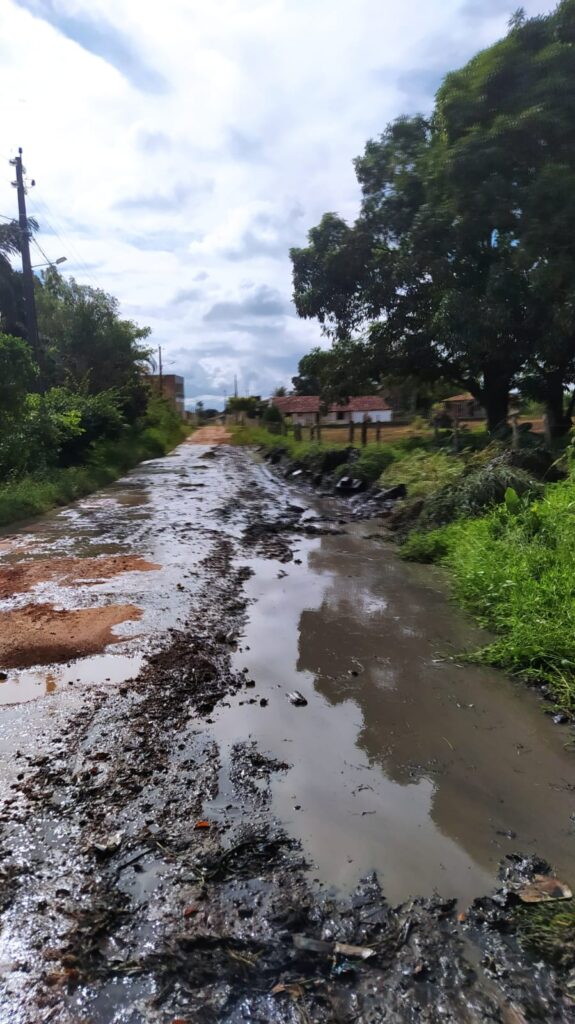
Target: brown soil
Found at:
x=20, y=578
x=41, y=634
x=211, y=435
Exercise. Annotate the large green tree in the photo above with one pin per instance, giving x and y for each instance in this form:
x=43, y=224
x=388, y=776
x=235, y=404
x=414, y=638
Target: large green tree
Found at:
x=461, y=262
x=87, y=343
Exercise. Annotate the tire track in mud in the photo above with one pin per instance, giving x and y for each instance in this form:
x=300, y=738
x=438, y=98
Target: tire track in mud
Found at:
x=130, y=895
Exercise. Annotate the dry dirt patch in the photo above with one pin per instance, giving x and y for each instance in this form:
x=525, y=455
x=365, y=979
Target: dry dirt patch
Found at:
x=23, y=576
x=211, y=435
x=40, y=634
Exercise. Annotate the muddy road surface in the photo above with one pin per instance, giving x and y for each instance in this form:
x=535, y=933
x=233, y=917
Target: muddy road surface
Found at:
x=181, y=841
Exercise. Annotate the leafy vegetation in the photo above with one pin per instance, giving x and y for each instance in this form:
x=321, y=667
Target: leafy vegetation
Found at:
x=461, y=263
x=514, y=568
x=78, y=411
x=27, y=495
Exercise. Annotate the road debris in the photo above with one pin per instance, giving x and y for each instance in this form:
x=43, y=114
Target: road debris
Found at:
x=297, y=698
x=544, y=889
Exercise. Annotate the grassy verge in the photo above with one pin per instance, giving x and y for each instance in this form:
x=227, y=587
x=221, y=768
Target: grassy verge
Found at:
x=107, y=460
x=385, y=462
x=514, y=569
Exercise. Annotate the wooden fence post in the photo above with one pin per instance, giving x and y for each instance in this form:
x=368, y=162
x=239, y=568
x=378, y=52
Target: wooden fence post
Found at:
x=378, y=432
x=364, y=433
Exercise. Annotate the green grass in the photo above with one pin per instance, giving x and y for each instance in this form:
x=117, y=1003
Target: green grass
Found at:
x=548, y=930
x=297, y=450
x=514, y=569
x=424, y=472
x=37, y=493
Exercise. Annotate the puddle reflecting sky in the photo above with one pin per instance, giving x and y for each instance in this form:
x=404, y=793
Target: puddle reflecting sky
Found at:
x=402, y=761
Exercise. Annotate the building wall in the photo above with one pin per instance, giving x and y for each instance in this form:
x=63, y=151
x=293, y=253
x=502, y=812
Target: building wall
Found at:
x=334, y=417
x=378, y=416
x=303, y=419
x=172, y=390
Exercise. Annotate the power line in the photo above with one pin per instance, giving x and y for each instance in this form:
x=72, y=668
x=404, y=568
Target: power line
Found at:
x=39, y=247
x=67, y=244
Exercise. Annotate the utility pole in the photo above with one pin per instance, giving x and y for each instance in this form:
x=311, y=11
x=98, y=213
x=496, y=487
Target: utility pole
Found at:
x=27, y=273
x=235, y=385
x=160, y=375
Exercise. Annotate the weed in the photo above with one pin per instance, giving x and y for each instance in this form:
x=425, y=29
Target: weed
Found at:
x=424, y=472
x=425, y=547
x=548, y=930
x=514, y=568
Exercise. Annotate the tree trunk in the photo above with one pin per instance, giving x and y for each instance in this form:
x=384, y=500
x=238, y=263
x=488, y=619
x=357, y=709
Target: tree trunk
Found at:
x=495, y=397
x=558, y=420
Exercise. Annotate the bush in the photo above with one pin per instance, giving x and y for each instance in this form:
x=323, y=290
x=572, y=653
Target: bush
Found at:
x=475, y=492
x=514, y=568
x=106, y=459
x=272, y=414
x=425, y=547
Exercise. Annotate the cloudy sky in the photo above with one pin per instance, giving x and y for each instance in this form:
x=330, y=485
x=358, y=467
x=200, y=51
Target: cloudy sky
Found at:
x=180, y=148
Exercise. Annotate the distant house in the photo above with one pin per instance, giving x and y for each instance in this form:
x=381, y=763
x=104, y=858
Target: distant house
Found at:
x=306, y=410
x=356, y=410
x=300, y=409
x=171, y=387
x=464, y=407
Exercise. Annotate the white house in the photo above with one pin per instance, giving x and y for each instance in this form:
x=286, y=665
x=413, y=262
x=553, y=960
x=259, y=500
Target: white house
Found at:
x=301, y=409
x=356, y=410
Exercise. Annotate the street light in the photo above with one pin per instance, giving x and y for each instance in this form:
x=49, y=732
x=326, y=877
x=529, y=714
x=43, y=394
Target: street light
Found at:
x=51, y=263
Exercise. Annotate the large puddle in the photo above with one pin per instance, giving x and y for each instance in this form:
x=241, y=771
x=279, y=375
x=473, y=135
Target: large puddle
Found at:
x=403, y=760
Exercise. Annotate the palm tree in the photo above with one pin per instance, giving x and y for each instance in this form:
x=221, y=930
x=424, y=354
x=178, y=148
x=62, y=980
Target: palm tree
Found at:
x=11, y=300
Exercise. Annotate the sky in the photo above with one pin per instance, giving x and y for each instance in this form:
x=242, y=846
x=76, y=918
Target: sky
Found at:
x=181, y=148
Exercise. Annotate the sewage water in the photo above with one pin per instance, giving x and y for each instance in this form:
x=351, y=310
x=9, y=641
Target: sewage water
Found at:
x=403, y=761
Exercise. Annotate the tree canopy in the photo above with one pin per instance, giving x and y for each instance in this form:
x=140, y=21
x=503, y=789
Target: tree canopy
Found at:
x=460, y=264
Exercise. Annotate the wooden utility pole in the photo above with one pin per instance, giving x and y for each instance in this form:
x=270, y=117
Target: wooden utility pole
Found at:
x=160, y=374
x=27, y=273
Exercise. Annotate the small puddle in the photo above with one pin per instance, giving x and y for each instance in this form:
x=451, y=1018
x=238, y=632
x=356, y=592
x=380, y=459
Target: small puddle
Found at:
x=22, y=685
x=403, y=761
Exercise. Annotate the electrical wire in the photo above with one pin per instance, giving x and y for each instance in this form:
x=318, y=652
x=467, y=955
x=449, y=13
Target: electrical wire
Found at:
x=37, y=203
x=39, y=247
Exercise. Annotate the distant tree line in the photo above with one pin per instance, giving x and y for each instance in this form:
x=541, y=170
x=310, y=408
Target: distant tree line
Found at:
x=461, y=264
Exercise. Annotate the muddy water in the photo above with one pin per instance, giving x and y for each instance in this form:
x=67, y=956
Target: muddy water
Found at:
x=402, y=761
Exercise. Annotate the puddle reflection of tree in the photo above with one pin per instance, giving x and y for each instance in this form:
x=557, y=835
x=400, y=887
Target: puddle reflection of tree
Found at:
x=459, y=728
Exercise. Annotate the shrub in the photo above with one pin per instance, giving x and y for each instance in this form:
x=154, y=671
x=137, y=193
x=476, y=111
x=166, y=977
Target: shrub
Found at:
x=272, y=414
x=425, y=547
x=475, y=492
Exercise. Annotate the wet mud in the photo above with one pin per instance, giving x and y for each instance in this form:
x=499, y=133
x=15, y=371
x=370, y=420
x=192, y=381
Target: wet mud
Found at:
x=150, y=870
x=40, y=633
x=23, y=576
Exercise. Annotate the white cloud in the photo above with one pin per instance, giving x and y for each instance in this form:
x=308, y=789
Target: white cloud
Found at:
x=181, y=148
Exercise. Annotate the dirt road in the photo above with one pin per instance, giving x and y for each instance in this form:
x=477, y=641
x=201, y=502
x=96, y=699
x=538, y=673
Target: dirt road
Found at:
x=182, y=842
x=210, y=435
